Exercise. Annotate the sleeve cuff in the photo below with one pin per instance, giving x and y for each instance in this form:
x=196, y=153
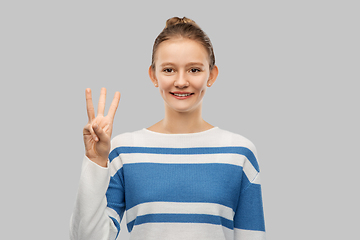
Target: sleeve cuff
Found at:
x=88, y=161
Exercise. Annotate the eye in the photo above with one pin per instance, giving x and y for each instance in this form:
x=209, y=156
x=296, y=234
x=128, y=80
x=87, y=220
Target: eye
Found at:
x=168, y=70
x=195, y=70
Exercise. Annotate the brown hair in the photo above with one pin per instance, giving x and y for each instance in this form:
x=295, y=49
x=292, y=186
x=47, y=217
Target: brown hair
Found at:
x=186, y=28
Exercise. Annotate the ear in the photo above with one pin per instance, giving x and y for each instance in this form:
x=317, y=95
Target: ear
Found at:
x=152, y=76
x=213, y=76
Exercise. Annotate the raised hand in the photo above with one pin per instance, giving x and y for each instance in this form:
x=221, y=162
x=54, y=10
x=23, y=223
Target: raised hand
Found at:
x=97, y=132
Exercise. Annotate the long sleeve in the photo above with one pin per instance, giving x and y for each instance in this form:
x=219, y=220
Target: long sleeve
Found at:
x=249, y=223
x=90, y=219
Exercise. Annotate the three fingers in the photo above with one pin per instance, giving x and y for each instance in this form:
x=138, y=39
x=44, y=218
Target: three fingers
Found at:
x=94, y=128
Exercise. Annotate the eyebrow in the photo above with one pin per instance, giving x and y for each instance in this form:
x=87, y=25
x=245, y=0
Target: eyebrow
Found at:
x=189, y=64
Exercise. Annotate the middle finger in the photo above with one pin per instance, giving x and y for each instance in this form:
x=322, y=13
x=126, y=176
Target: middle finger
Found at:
x=102, y=100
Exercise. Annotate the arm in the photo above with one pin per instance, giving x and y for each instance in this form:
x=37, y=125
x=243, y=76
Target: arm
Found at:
x=249, y=223
x=90, y=219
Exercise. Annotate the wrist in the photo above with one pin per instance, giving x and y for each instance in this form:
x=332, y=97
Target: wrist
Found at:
x=102, y=162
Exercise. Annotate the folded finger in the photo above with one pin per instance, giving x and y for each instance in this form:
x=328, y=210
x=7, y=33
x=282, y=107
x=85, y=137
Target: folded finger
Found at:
x=89, y=105
x=93, y=134
x=100, y=133
x=89, y=129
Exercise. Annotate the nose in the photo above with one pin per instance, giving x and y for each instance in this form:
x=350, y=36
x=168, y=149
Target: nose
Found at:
x=181, y=81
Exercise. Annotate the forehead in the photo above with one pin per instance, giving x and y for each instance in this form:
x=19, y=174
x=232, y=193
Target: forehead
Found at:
x=181, y=51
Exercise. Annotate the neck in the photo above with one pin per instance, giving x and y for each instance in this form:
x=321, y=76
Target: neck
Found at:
x=183, y=122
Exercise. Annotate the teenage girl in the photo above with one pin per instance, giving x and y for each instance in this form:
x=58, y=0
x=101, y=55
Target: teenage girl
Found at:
x=181, y=178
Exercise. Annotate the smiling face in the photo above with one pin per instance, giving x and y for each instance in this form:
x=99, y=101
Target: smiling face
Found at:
x=182, y=74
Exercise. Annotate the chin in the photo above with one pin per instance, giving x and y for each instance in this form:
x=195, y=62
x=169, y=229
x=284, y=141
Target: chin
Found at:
x=182, y=107
x=185, y=109
x=182, y=110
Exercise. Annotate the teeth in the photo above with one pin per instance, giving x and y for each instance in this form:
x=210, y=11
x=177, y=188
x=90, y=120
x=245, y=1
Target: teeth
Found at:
x=182, y=95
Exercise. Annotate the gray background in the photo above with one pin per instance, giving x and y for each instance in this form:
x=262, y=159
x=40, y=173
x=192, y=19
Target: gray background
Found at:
x=289, y=73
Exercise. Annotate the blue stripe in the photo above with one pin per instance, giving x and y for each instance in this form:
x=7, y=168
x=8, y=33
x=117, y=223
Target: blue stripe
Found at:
x=181, y=218
x=187, y=151
x=117, y=225
x=154, y=182
x=249, y=214
x=115, y=194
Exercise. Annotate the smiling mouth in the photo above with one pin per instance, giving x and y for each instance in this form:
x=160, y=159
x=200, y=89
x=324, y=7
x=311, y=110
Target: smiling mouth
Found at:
x=182, y=94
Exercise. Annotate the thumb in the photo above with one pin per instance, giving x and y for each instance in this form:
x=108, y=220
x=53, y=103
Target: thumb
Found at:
x=100, y=133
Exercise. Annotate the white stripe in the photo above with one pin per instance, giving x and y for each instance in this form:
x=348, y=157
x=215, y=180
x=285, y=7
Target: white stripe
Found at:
x=250, y=171
x=249, y=235
x=112, y=213
x=234, y=159
x=115, y=165
x=214, y=138
x=179, y=208
x=180, y=231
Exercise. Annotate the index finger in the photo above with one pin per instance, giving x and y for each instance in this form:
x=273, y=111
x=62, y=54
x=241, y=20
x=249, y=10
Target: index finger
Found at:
x=114, y=105
x=89, y=105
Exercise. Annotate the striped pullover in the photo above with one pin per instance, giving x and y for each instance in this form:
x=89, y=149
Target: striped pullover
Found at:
x=195, y=186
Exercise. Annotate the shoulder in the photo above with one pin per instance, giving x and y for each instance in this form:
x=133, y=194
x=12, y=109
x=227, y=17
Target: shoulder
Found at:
x=233, y=139
x=245, y=146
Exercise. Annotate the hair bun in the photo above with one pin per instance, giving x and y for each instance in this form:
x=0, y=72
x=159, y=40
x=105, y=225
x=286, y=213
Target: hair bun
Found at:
x=176, y=20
